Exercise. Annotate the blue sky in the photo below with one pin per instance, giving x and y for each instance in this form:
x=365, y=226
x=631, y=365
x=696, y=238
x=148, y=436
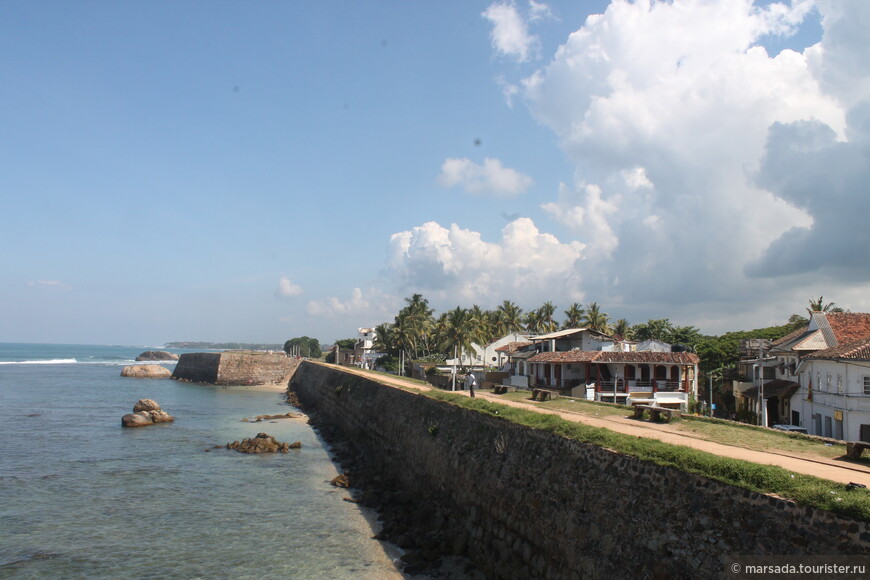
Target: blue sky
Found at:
x=255, y=171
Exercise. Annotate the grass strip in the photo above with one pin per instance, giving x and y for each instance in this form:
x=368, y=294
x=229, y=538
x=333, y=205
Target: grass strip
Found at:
x=767, y=479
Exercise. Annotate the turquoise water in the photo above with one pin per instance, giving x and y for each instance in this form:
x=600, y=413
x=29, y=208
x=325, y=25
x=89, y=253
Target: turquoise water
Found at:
x=81, y=497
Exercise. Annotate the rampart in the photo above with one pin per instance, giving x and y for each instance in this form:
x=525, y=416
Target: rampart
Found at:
x=525, y=503
x=233, y=368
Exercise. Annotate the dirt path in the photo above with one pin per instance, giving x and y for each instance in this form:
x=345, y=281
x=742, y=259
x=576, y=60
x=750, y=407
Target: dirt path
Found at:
x=830, y=469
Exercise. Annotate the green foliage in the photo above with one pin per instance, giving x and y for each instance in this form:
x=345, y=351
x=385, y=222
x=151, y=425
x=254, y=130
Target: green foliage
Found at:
x=346, y=343
x=304, y=346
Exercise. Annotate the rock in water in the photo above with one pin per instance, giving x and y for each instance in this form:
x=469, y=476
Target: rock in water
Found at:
x=146, y=372
x=146, y=412
x=262, y=443
x=156, y=355
x=140, y=419
x=146, y=405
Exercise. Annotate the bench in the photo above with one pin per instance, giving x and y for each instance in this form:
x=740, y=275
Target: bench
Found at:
x=855, y=448
x=657, y=412
x=544, y=394
x=502, y=389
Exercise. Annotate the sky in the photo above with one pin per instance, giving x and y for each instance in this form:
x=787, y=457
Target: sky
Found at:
x=256, y=171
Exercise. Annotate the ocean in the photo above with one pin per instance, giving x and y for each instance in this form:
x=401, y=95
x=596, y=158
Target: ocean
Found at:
x=82, y=497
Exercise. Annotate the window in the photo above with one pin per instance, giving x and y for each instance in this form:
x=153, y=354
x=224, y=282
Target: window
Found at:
x=840, y=385
x=866, y=385
x=828, y=384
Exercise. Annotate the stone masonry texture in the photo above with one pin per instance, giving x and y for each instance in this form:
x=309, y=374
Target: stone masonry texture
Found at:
x=533, y=504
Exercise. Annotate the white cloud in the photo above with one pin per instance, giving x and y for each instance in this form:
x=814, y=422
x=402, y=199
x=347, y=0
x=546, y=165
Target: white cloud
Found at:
x=360, y=309
x=666, y=109
x=539, y=11
x=287, y=289
x=489, y=178
x=457, y=265
x=510, y=35
x=55, y=284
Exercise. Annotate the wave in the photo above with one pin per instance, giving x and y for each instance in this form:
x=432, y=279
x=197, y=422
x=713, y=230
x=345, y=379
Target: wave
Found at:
x=54, y=361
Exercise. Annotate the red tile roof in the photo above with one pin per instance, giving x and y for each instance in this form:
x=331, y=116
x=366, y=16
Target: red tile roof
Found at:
x=856, y=350
x=512, y=347
x=849, y=326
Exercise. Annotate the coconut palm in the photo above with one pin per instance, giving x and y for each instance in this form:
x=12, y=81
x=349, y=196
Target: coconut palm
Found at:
x=509, y=318
x=483, y=326
x=594, y=319
x=533, y=322
x=416, y=321
x=622, y=329
x=820, y=306
x=573, y=316
x=545, y=313
x=458, y=333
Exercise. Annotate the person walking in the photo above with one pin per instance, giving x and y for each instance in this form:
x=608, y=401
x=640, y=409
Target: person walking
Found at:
x=470, y=382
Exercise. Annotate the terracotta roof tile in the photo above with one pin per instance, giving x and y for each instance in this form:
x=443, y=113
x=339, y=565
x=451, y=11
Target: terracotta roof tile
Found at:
x=849, y=326
x=856, y=350
x=512, y=347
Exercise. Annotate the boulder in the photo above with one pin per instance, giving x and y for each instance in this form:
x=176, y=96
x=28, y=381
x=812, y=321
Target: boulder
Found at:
x=146, y=405
x=140, y=419
x=146, y=412
x=262, y=443
x=146, y=372
x=150, y=355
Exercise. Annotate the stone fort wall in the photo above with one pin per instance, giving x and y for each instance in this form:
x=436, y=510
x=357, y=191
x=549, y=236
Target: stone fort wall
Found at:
x=531, y=504
x=233, y=368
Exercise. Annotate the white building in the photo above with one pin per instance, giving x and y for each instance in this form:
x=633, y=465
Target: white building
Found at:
x=833, y=399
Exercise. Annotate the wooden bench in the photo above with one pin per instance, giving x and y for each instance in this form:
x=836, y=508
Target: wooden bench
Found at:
x=544, y=394
x=502, y=389
x=657, y=412
x=855, y=448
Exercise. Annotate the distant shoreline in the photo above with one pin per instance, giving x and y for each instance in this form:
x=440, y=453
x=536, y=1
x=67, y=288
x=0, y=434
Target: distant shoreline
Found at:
x=223, y=345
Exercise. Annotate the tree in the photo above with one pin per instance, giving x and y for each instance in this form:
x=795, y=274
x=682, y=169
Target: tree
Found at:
x=303, y=346
x=820, y=306
x=545, y=314
x=658, y=329
x=533, y=321
x=622, y=329
x=573, y=316
x=458, y=332
x=509, y=318
x=594, y=319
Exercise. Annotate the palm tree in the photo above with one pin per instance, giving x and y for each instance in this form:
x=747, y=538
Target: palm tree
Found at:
x=622, y=329
x=533, y=321
x=458, y=333
x=573, y=316
x=483, y=326
x=384, y=340
x=416, y=321
x=509, y=318
x=594, y=319
x=820, y=306
x=545, y=313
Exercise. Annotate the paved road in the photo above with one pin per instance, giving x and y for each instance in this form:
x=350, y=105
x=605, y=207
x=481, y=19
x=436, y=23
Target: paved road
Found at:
x=832, y=469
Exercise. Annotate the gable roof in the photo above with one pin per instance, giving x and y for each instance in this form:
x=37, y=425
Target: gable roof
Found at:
x=855, y=350
x=513, y=347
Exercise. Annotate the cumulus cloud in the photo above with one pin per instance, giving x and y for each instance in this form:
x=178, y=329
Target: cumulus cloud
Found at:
x=287, y=289
x=510, y=35
x=490, y=178
x=457, y=264
x=362, y=307
x=669, y=111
